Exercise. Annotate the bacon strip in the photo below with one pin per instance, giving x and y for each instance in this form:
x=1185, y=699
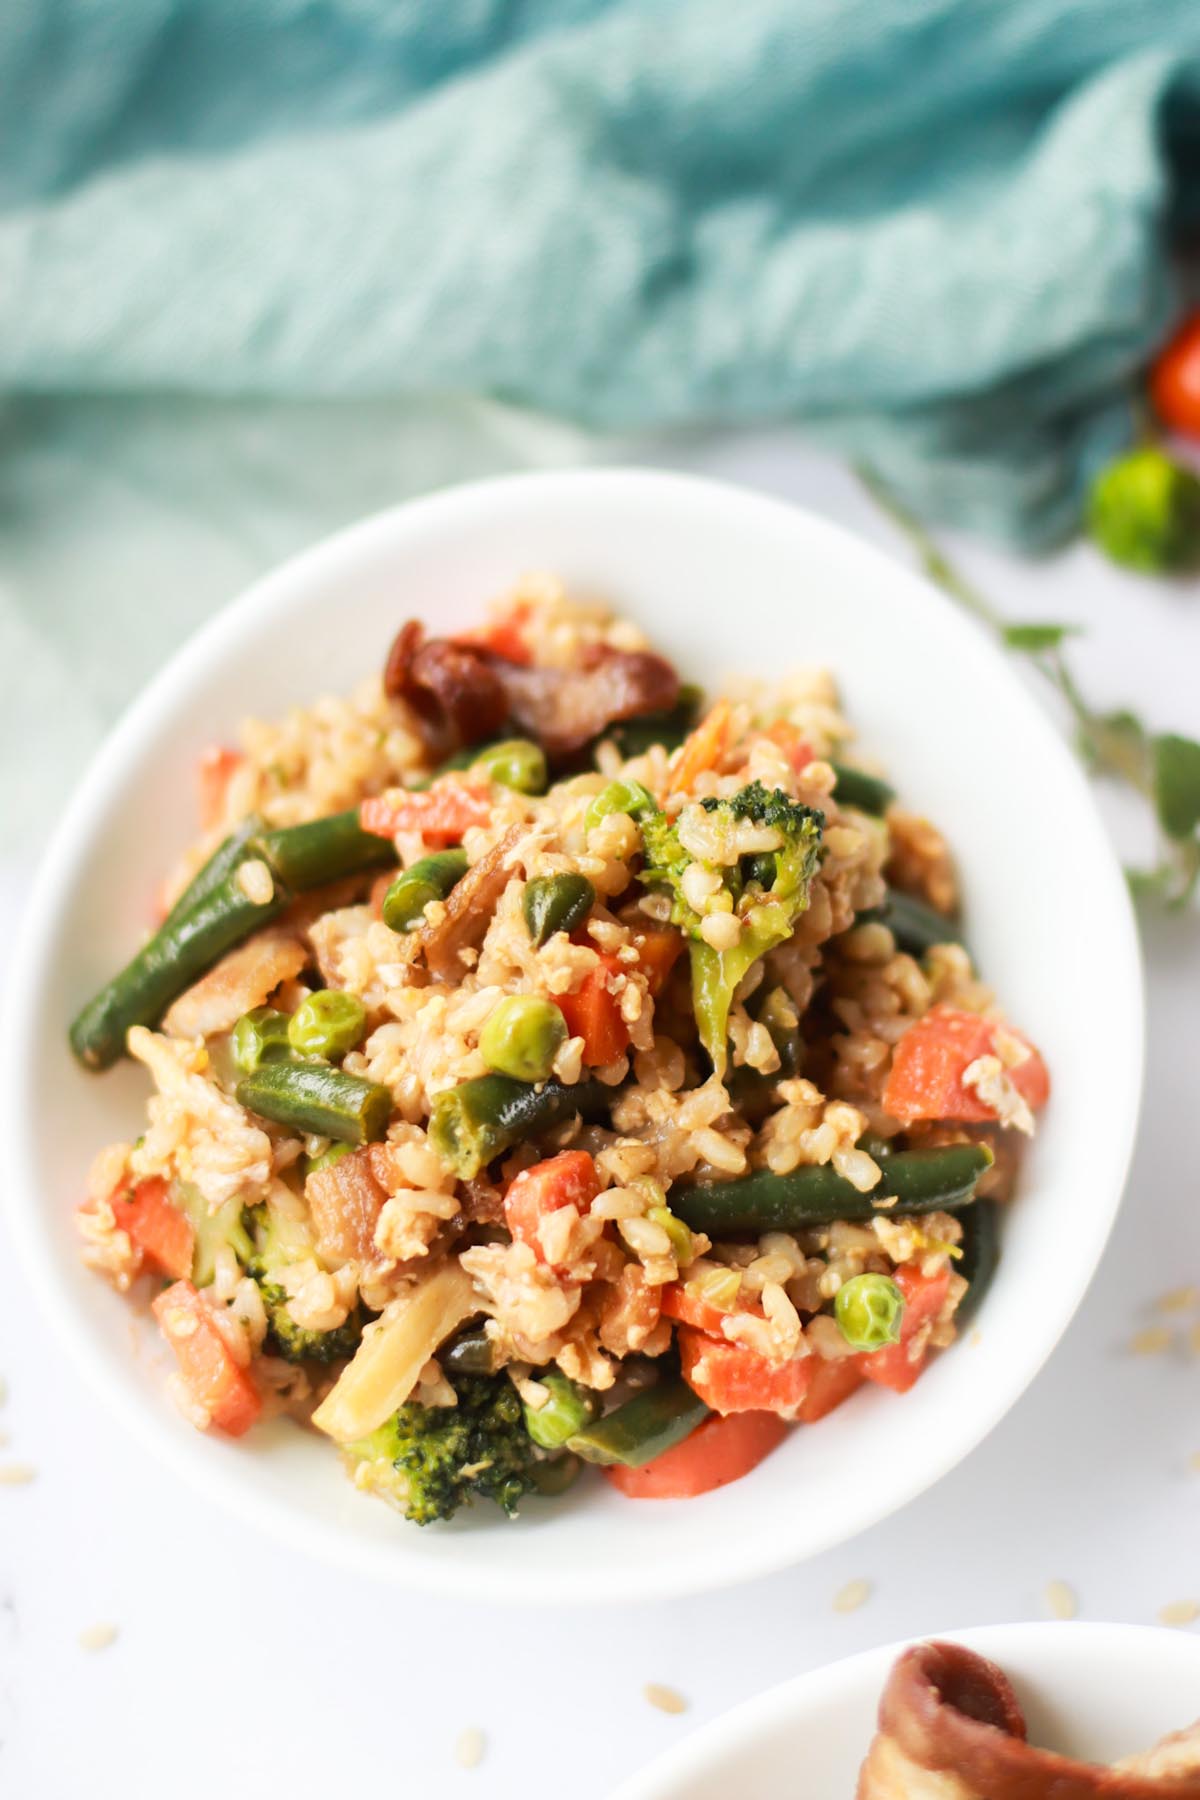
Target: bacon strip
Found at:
x=951, y=1728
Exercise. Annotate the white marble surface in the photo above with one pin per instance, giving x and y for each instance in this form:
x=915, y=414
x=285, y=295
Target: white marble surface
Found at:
x=238, y=1665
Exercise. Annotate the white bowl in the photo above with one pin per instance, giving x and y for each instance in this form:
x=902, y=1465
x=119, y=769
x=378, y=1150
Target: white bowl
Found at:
x=1095, y=1692
x=724, y=580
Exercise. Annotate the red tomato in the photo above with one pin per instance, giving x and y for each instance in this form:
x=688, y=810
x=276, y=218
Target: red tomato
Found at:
x=1175, y=380
x=215, y=1379
x=441, y=813
x=732, y=1379
x=213, y=774
x=830, y=1383
x=928, y=1064
x=593, y=1012
x=569, y=1179
x=718, y=1452
x=161, y=1232
x=896, y=1367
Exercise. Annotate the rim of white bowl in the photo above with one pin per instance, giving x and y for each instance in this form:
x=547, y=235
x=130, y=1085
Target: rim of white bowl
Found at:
x=670, y=1773
x=685, y=1572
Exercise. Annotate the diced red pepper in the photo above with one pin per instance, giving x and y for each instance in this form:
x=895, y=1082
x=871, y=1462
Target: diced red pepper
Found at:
x=680, y=1301
x=930, y=1060
x=731, y=1378
x=718, y=1451
x=657, y=953
x=792, y=742
x=214, y=771
x=160, y=1230
x=899, y=1365
x=569, y=1179
x=704, y=748
x=441, y=813
x=215, y=1379
x=505, y=637
x=829, y=1384
x=593, y=1013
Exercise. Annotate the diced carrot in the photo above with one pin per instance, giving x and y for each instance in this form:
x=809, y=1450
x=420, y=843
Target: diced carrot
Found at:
x=730, y=1378
x=928, y=1064
x=569, y=1179
x=681, y=1301
x=718, y=1452
x=441, y=813
x=593, y=1013
x=160, y=1230
x=214, y=772
x=505, y=637
x=215, y=1379
x=704, y=748
x=792, y=742
x=830, y=1383
x=898, y=1366
x=658, y=952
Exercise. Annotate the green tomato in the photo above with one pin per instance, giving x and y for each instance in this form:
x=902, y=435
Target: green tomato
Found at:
x=515, y=763
x=868, y=1309
x=620, y=797
x=329, y=1023
x=522, y=1037
x=1144, y=512
x=567, y=1411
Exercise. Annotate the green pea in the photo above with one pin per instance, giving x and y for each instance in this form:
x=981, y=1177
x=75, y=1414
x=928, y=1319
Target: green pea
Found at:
x=258, y=1037
x=515, y=763
x=556, y=903
x=327, y=1158
x=868, y=1310
x=620, y=797
x=567, y=1411
x=328, y=1023
x=432, y=878
x=522, y=1037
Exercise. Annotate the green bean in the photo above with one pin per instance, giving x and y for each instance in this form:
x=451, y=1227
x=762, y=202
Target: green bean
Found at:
x=188, y=942
x=915, y=926
x=567, y=1410
x=752, y=1091
x=312, y=1097
x=644, y=1427
x=555, y=903
x=980, y=1255
x=258, y=1037
x=431, y=878
x=633, y=737
x=175, y=956
x=854, y=787
x=619, y=797
x=921, y=1181
x=481, y=1119
x=522, y=1037
x=554, y=1476
x=868, y=1309
x=472, y=1352
x=223, y=861
x=514, y=763
x=329, y=849
x=328, y=1023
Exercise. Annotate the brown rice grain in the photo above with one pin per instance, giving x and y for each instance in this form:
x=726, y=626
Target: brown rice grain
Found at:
x=469, y=1748
x=1151, y=1342
x=1179, y=1613
x=849, y=1598
x=666, y=1699
x=1061, y=1601
x=16, y=1474
x=98, y=1636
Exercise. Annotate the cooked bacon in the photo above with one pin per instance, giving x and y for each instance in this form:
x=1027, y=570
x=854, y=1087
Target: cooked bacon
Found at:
x=949, y=1723
x=451, y=687
x=565, y=708
x=467, y=909
x=346, y=1198
x=240, y=981
x=463, y=693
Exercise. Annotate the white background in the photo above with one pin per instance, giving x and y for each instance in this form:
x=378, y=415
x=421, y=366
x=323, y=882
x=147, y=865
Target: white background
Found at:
x=240, y=1665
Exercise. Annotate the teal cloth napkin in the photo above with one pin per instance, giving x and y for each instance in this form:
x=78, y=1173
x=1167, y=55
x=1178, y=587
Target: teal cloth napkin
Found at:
x=929, y=231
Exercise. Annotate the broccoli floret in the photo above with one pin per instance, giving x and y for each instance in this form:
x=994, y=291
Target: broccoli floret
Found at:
x=214, y=1231
x=1144, y=512
x=430, y=1460
x=766, y=891
x=278, y=1241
